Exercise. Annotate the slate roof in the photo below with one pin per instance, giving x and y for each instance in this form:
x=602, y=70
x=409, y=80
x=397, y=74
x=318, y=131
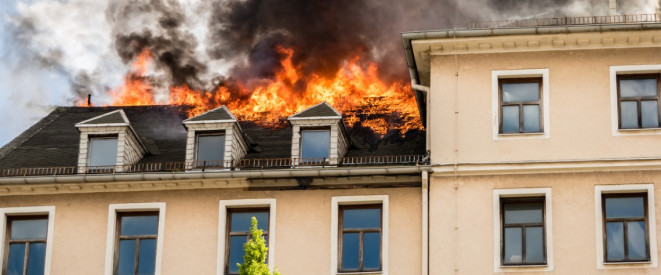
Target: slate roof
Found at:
x=110, y=117
x=54, y=140
x=319, y=110
x=220, y=113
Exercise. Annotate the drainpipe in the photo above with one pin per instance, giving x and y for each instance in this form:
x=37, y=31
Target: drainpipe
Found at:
x=425, y=222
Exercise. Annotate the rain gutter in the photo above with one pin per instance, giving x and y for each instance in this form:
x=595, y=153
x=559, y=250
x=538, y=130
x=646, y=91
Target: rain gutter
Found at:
x=283, y=173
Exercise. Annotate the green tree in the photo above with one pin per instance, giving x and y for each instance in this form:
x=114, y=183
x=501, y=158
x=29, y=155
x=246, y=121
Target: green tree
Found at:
x=255, y=251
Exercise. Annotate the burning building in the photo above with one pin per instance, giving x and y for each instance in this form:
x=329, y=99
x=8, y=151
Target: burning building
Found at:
x=538, y=140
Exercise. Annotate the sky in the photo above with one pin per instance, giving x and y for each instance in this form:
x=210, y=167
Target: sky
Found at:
x=53, y=52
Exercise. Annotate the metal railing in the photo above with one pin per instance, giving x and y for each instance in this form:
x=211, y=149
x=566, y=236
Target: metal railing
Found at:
x=566, y=21
x=220, y=165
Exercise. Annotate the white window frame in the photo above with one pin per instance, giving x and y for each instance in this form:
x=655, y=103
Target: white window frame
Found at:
x=599, y=190
x=113, y=209
x=615, y=117
x=498, y=194
x=222, y=225
x=28, y=211
x=495, y=103
x=358, y=200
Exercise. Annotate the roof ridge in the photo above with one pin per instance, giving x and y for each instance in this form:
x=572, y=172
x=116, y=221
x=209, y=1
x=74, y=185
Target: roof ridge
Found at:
x=27, y=134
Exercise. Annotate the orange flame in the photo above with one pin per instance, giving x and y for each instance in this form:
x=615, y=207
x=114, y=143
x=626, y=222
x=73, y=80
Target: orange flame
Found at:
x=355, y=91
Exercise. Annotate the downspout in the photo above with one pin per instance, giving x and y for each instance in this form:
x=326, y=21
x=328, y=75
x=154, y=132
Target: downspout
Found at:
x=425, y=92
x=425, y=222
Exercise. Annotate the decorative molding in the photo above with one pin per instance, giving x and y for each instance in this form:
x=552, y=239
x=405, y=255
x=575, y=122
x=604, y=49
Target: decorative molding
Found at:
x=540, y=42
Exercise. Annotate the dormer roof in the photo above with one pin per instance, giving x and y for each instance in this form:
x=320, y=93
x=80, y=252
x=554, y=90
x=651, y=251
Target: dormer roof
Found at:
x=319, y=111
x=220, y=114
x=114, y=118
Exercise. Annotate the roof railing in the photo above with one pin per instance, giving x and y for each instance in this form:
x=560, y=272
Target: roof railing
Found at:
x=566, y=21
x=221, y=165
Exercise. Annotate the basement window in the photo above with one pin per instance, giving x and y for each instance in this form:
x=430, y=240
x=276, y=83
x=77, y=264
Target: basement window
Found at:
x=315, y=145
x=102, y=151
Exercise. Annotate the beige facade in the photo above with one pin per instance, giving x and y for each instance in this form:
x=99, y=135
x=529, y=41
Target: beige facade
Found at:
x=190, y=239
x=579, y=155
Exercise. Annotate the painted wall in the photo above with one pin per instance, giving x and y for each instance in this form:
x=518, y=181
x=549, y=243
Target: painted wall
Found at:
x=191, y=228
x=580, y=107
x=462, y=221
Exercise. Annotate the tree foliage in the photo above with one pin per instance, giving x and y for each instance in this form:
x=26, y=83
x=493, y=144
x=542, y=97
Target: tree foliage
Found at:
x=255, y=251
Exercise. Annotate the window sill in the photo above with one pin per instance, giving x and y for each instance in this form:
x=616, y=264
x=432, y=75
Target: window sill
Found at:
x=628, y=263
x=538, y=135
x=524, y=268
x=640, y=131
x=359, y=272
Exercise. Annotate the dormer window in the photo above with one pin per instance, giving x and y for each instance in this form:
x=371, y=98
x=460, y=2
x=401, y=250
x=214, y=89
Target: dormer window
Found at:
x=318, y=136
x=108, y=143
x=315, y=145
x=215, y=140
x=210, y=149
x=102, y=151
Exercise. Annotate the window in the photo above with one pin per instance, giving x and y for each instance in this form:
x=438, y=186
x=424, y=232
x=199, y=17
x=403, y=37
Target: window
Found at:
x=26, y=245
x=625, y=233
x=625, y=227
x=210, y=149
x=520, y=105
x=234, y=229
x=136, y=243
x=359, y=234
x=523, y=241
x=26, y=235
x=315, y=145
x=638, y=97
x=238, y=233
x=360, y=240
x=102, y=151
x=523, y=224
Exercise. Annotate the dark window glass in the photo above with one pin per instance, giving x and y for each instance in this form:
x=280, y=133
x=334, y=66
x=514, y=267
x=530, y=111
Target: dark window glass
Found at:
x=625, y=227
x=210, y=149
x=520, y=105
x=523, y=227
x=238, y=233
x=315, y=144
x=26, y=245
x=102, y=152
x=638, y=97
x=136, y=243
x=360, y=238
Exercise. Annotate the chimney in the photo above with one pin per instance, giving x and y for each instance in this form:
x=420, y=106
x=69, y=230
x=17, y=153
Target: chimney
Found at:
x=89, y=100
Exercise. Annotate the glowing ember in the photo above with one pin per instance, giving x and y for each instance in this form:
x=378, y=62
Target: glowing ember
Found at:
x=355, y=91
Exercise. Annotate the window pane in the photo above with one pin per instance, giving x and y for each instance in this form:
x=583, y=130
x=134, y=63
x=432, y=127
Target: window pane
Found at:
x=513, y=92
x=103, y=152
x=315, y=144
x=147, y=257
x=625, y=207
x=371, y=250
x=523, y=212
x=649, y=112
x=139, y=225
x=350, y=250
x=15, y=259
x=126, y=257
x=361, y=218
x=29, y=229
x=636, y=240
x=210, y=148
x=534, y=245
x=236, y=252
x=36, y=259
x=241, y=221
x=513, y=246
x=531, y=118
x=510, y=119
x=638, y=87
x=614, y=241
x=629, y=114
